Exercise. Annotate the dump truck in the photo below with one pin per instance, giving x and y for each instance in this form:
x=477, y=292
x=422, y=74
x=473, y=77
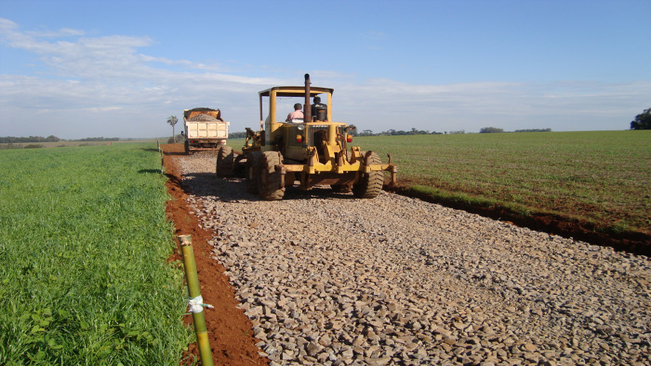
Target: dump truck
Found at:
x=204, y=129
x=303, y=153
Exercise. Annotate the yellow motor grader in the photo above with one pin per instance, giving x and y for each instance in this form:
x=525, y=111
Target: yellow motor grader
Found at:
x=308, y=152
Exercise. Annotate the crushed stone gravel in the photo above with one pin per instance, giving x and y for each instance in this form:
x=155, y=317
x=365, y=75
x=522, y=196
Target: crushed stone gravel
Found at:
x=328, y=279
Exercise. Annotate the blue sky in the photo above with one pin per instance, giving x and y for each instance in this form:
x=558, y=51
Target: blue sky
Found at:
x=78, y=69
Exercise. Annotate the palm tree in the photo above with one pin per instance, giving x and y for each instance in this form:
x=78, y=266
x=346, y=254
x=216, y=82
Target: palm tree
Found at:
x=172, y=120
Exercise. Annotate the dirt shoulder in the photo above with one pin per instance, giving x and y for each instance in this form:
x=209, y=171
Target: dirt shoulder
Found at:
x=230, y=331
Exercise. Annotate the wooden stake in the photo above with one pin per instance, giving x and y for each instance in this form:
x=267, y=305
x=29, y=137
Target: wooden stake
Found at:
x=194, y=291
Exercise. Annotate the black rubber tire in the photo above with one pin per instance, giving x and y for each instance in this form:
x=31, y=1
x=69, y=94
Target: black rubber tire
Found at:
x=251, y=171
x=370, y=185
x=186, y=146
x=270, y=188
x=225, y=161
x=238, y=166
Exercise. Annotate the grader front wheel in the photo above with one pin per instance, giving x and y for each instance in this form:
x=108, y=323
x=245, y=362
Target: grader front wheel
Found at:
x=270, y=180
x=225, y=161
x=252, y=170
x=370, y=184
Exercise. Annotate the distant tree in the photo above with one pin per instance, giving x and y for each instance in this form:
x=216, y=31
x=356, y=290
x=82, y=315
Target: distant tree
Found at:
x=642, y=121
x=11, y=139
x=172, y=120
x=491, y=130
x=237, y=135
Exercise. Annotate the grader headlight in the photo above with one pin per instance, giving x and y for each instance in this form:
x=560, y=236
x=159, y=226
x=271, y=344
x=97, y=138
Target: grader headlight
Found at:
x=299, y=137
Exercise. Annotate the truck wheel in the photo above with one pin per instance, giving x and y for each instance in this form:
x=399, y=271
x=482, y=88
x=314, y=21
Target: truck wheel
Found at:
x=187, y=147
x=252, y=170
x=369, y=185
x=225, y=161
x=269, y=178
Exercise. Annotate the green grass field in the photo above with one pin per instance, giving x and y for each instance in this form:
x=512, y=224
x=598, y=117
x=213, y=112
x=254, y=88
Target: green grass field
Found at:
x=83, y=247
x=599, y=176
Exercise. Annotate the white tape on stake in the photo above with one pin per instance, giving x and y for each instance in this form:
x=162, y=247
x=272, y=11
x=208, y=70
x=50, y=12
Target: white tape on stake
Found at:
x=196, y=305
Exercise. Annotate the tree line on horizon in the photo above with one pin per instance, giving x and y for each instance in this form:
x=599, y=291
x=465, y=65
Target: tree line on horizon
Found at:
x=51, y=138
x=642, y=121
x=413, y=131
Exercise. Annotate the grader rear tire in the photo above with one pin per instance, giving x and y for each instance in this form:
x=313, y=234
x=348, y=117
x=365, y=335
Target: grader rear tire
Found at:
x=225, y=161
x=252, y=172
x=269, y=178
x=370, y=185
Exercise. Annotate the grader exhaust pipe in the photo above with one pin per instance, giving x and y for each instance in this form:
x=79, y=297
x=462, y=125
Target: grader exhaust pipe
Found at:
x=308, y=109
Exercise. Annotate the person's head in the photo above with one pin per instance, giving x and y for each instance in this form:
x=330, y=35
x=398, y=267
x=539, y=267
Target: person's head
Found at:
x=317, y=100
x=298, y=106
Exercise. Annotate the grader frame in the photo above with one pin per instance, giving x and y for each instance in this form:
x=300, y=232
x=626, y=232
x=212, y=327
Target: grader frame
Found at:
x=312, y=152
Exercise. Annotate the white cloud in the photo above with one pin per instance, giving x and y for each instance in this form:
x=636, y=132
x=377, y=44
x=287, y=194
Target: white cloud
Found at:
x=108, y=86
x=64, y=32
x=471, y=106
x=103, y=109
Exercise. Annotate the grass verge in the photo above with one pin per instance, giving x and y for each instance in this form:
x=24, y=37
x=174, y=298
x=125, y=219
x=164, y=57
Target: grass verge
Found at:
x=83, y=246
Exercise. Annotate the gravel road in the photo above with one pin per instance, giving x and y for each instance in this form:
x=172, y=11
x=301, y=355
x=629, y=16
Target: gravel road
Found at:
x=328, y=279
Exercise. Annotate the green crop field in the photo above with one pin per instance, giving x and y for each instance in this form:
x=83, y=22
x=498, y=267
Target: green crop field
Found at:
x=598, y=177
x=83, y=247
x=602, y=177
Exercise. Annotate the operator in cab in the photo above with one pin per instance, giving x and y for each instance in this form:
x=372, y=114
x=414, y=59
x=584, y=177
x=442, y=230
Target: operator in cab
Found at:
x=297, y=115
x=319, y=110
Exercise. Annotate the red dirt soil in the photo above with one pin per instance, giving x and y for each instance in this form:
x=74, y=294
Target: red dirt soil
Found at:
x=230, y=331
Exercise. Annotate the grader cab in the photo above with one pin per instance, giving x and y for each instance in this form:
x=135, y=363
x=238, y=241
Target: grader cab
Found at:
x=309, y=152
